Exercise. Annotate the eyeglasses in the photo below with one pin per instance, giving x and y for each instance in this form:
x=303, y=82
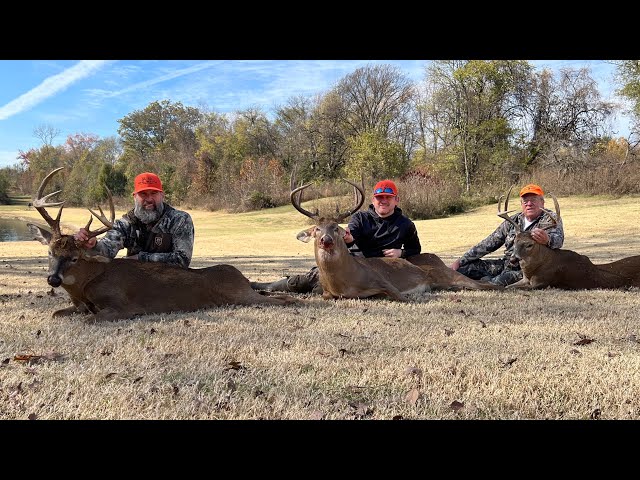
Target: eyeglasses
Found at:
x=531, y=201
x=384, y=190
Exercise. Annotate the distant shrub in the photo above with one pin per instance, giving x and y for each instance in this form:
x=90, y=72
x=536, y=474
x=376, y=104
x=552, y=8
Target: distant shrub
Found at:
x=258, y=200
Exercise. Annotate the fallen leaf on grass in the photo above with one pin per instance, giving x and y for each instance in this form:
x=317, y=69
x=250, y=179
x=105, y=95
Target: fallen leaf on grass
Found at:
x=234, y=365
x=507, y=362
x=456, y=405
x=32, y=359
x=361, y=409
x=412, y=396
x=413, y=371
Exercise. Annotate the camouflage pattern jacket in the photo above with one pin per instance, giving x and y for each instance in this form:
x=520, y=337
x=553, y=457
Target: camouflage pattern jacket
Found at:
x=505, y=235
x=169, y=240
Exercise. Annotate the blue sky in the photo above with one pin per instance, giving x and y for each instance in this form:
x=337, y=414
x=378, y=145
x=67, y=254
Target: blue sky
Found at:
x=90, y=96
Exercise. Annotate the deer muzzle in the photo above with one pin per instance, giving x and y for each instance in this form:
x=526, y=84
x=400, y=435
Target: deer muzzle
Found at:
x=54, y=280
x=326, y=242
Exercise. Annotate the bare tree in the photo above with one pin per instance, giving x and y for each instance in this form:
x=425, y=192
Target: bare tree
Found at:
x=566, y=116
x=46, y=134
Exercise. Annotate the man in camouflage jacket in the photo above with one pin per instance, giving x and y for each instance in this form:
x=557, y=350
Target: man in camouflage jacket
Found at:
x=153, y=231
x=535, y=218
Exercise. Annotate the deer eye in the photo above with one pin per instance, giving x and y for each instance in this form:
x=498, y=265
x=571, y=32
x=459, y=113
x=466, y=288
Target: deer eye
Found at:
x=74, y=260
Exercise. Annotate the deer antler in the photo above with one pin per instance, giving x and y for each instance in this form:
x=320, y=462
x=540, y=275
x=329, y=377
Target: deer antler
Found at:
x=296, y=197
x=557, y=218
x=359, y=198
x=108, y=224
x=41, y=202
x=505, y=213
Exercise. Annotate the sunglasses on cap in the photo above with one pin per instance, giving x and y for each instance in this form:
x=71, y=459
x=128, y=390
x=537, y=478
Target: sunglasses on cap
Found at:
x=384, y=190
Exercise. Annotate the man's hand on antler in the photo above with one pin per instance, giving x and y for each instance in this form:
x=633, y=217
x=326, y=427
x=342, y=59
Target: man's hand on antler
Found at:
x=540, y=236
x=82, y=239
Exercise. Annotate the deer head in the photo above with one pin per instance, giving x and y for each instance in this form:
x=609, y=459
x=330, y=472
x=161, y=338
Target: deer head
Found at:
x=63, y=250
x=328, y=235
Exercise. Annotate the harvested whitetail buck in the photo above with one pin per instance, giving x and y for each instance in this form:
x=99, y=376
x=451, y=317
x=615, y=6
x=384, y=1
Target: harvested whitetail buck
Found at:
x=116, y=289
x=546, y=267
x=343, y=275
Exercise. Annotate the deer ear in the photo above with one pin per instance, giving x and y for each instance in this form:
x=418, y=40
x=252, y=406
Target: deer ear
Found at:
x=43, y=236
x=306, y=235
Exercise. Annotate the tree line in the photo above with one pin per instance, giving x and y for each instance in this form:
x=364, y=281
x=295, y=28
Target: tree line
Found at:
x=470, y=126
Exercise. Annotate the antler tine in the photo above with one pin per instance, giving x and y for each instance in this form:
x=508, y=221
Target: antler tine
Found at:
x=41, y=202
x=357, y=191
x=555, y=219
x=555, y=202
x=298, y=199
x=295, y=200
x=108, y=224
x=505, y=213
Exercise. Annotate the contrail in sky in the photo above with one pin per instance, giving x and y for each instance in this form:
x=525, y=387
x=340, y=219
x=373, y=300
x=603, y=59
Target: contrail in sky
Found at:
x=164, y=78
x=50, y=87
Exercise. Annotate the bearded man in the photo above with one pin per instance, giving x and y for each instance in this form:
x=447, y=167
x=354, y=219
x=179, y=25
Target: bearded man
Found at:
x=153, y=231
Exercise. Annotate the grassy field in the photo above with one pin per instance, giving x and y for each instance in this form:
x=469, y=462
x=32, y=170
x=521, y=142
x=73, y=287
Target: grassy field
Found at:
x=449, y=355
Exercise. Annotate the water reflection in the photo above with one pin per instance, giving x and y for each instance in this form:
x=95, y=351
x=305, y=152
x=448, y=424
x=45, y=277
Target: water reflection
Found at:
x=14, y=230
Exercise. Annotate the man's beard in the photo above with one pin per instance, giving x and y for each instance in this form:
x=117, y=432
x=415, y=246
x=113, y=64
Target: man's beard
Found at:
x=148, y=216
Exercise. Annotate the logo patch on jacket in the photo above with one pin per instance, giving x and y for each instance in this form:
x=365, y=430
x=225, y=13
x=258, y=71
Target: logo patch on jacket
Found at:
x=158, y=241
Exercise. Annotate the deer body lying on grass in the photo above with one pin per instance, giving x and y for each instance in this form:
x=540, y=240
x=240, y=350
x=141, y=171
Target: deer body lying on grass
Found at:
x=544, y=267
x=343, y=275
x=117, y=289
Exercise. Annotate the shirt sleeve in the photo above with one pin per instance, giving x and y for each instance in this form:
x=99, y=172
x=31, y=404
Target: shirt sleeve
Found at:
x=488, y=245
x=355, y=227
x=411, y=241
x=114, y=239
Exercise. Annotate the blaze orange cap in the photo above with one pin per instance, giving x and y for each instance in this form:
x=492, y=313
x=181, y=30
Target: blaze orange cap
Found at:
x=385, y=187
x=147, y=181
x=531, y=188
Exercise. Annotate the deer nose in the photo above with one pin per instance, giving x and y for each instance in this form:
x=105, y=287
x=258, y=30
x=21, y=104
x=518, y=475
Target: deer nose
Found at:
x=54, y=280
x=326, y=241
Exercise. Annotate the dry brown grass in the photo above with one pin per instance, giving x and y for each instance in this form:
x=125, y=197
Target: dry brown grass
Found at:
x=463, y=355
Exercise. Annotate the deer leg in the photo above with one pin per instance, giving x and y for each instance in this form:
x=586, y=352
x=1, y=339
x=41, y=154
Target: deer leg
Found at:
x=419, y=290
x=64, y=312
x=524, y=284
x=396, y=295
x=106, y=315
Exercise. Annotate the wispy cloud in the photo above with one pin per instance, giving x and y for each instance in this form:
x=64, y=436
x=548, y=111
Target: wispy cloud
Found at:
x=51, y=86
x=162, y=78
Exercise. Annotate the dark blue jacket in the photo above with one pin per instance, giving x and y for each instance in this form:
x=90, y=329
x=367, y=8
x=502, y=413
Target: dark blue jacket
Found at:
x=372, y=234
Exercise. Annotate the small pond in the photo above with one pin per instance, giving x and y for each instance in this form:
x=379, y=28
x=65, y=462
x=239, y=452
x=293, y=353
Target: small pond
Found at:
x=12, y=230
